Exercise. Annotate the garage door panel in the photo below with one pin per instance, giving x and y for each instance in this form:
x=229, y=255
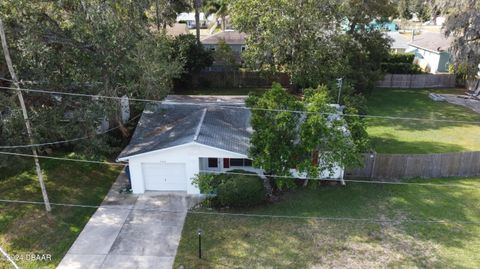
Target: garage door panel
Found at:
x=164, y=176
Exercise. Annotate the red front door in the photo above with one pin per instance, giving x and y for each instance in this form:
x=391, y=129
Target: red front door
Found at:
x=226, y=163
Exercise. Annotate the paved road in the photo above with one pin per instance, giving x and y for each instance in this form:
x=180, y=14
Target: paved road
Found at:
x=131, y=231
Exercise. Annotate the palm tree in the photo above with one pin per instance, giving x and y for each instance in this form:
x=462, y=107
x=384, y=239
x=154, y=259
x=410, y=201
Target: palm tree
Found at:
x=219, y=8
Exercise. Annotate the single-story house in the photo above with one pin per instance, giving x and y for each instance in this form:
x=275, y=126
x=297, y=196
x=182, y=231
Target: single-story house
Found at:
x=431, y=51
x=184, y=136
x=234, y=39
x=399, y=43
x=189, y=19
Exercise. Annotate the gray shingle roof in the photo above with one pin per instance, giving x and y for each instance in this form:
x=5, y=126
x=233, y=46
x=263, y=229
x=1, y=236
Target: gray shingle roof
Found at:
x=398, y=41
x=166, y=125
x=432, y=41
x=231, y=37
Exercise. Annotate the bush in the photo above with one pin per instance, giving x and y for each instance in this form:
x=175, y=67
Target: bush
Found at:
x=401, y=58
x=231, y=189
x=401, y=68
x=240, y=191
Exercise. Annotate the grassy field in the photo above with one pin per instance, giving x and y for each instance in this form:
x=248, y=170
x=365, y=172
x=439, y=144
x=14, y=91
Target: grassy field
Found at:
x=409, y=136
x=263, y=242
x=26, y=229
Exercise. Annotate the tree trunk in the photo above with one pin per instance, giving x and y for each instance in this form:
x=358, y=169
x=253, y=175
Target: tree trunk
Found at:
x=157, y=11
x=224, y=23
x=197, y=4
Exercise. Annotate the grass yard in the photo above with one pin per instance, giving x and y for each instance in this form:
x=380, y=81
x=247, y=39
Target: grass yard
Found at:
x=258, y=242
x=28, y=229
x=408, y=136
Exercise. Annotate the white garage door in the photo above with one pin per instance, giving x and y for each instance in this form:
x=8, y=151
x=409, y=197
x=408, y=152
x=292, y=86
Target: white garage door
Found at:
x=164, y=176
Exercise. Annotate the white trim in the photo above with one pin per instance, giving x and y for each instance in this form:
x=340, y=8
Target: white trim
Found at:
x=153, y=151
x=178, y=146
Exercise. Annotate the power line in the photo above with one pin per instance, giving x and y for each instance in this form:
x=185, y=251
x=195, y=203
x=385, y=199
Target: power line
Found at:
x=240, y=107
x=246, y=174
x=325, y=218
x=60, y=158
x=66, y=141
x=346, y=180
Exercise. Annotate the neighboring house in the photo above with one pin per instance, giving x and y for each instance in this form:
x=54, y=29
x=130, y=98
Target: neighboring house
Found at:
x=431, y=51
x=183, y=136
x=234, y=39
x=189, y=19
x=177, y=29
x=399, y=43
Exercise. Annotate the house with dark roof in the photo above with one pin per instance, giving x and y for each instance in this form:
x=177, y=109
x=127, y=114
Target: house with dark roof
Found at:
x=398, y=43
x=186, y=135
x=235, y=39
x=431, y=51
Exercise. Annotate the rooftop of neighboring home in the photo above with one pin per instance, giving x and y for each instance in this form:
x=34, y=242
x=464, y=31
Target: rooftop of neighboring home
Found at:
x=398, y=40
x=432, y=41
x=231, y=37
x=177, y=29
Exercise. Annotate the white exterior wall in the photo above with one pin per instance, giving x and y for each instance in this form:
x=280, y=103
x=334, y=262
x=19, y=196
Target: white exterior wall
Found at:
x=430, y=59
x=188, y=154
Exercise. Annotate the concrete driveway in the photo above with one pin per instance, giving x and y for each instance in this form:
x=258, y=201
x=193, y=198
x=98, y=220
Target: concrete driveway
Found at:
x=131, y=231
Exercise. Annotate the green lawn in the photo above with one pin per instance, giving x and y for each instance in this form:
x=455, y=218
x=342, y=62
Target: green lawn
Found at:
x=255, y=242
x=28, y=229
x=408, y=136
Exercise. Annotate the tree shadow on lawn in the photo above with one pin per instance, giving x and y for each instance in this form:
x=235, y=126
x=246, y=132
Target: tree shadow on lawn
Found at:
x=386, y=143
x=255, y=242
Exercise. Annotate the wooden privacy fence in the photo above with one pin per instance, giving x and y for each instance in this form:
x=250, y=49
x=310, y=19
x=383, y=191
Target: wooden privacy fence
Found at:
x=417, y=81
x=403, y=166
x=239, y=79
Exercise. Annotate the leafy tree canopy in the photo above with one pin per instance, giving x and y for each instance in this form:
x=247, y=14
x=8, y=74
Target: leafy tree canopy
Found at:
x=305, y=39
x=312, y=140
x=96, y=47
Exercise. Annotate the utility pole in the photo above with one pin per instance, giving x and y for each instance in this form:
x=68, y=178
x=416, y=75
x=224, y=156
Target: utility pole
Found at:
x=38, y=169
x=339, y=84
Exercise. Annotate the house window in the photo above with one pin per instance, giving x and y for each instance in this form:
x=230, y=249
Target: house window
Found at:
x=241, y=162
x=244, y=48
x=212, y=162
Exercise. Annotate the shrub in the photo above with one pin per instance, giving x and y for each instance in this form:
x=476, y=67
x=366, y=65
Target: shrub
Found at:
x=401, y=58
x=240, y=191
x=401, y=68
x=231, y=189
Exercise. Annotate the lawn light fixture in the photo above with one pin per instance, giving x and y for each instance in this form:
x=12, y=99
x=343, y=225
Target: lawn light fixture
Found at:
x=199, y=233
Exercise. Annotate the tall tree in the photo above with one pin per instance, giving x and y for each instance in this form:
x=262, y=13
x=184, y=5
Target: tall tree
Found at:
x=93, y=47
x=404, y=9
x=166, y=11
x=305, y=39
x=463, y=23
x=218, y=7
x=308, y=135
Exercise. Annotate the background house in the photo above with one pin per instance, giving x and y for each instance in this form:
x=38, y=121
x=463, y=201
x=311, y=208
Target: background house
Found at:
x=189, y=19
x=399, y=43
x=185, y=136
x=234, y=39
x=431, y=51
